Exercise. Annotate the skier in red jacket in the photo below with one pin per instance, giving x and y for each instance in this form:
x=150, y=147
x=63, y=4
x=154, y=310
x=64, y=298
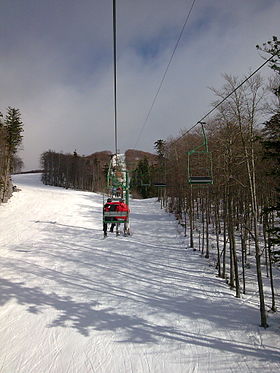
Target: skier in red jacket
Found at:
x=123, y=207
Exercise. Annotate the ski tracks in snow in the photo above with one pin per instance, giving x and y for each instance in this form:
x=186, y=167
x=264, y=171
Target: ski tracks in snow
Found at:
x=75, y=303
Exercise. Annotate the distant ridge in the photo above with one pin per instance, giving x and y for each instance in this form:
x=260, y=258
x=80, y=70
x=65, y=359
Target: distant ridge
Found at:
x=28, y=172
x=132, y=157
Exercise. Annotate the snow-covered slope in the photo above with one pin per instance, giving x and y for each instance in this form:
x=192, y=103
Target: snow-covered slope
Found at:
x=72, y=302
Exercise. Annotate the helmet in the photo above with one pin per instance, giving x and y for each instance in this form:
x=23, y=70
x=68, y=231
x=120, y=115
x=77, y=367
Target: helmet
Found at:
x=109, y=200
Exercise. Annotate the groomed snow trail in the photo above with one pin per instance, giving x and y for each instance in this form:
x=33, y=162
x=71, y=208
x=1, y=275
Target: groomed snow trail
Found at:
x=72, y=302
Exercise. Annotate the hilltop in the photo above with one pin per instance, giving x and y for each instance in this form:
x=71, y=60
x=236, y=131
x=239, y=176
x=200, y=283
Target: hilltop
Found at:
x=132, y=156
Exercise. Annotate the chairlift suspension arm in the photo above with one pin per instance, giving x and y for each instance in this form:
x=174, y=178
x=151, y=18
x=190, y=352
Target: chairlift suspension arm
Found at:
x=115, y=74
x=207, y=176
x=203, y=145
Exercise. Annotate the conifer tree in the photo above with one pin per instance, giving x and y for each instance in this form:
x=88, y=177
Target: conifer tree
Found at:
x=141, y=179
x=14, y=128
x=271, y=141
x=271, y=144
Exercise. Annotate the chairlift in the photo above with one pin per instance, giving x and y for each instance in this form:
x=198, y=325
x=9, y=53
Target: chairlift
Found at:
x=200, y=169
x=117, y=191
x=145, y=184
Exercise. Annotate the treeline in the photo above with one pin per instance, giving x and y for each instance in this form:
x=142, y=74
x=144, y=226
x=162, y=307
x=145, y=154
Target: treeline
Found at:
x=73, y=171
x=90, y=172
x=11, y=129
x=239, y=214
x=149, y=176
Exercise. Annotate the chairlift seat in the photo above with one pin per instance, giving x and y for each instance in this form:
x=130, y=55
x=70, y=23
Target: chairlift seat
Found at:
x=200, y=180
x=115, y=216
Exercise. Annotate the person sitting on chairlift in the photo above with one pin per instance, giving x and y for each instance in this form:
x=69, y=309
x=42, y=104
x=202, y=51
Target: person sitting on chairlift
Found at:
x=109, y=206
x=123, y=207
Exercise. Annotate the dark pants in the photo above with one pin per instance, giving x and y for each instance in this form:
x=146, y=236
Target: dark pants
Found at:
x=105, y=227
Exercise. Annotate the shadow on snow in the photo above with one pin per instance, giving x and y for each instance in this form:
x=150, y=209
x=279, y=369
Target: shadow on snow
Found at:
x=134, y=287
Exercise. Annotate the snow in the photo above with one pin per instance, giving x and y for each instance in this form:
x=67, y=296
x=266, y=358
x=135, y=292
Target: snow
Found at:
x=73, y=302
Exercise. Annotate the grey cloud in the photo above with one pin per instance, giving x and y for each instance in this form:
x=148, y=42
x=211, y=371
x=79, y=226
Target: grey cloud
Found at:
x=56, y=66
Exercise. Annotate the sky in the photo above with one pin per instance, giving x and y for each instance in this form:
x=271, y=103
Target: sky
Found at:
x=56, y=66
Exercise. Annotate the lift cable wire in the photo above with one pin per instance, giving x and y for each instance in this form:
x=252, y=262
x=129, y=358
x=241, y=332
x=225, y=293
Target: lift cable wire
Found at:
x=164, y=74
x=115, y=75
x=223, y=100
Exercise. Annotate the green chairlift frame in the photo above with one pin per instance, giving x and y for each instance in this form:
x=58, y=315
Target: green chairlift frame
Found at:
x=204, y=177
x=117, y=177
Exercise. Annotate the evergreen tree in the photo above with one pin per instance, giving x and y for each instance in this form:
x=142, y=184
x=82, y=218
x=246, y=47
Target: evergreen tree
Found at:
x=271, y=142
x=160, y=172
x=14, y=128
x=160, y=147
x=141, y=179
x=11, y=127
x=272, y=47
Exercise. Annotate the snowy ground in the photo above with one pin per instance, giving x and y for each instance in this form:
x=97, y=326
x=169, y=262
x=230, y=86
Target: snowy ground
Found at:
x=71, y=302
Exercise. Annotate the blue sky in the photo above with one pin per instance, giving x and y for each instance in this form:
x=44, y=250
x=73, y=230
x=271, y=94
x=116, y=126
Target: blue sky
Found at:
x=56, y=66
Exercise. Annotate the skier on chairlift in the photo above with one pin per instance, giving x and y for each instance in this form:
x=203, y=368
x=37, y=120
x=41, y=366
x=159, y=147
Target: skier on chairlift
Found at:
x=108, y=207
x=123, y=207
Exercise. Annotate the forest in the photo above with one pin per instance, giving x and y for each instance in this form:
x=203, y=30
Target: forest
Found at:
x=221, y=180
x=74, y=171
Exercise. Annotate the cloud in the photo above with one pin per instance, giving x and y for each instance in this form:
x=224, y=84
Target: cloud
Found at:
x=56, y=67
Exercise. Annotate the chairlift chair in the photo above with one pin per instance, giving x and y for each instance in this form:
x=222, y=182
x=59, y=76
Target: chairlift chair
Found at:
x=200, y=169
x=118, y=189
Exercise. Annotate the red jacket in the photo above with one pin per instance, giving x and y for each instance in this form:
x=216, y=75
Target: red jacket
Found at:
x=122, y=207
x=118, y=207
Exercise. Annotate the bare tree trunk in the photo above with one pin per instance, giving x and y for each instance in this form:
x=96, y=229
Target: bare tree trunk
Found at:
x=243, y=250
x=217, y=230
x=273, y=304
x=203, y=228
x=251, y=174
x=207, y=219
x=191, y=217
x=225, y=235
x=234, y=276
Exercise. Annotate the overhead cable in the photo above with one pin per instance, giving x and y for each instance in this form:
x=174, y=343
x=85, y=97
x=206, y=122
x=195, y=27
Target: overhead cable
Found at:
x=164, y=74
x=115, y=74
x=223, y=100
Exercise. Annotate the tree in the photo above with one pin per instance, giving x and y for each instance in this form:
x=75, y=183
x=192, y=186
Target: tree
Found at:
x=3, y=158
x=271, y=141
x=17, y=164
x=12, y=128
x=272, y=47
x=160, y=147
x=271, y=144
x=141, y=179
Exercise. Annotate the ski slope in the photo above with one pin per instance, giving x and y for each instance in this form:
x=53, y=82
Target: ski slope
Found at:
x=72, y=302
